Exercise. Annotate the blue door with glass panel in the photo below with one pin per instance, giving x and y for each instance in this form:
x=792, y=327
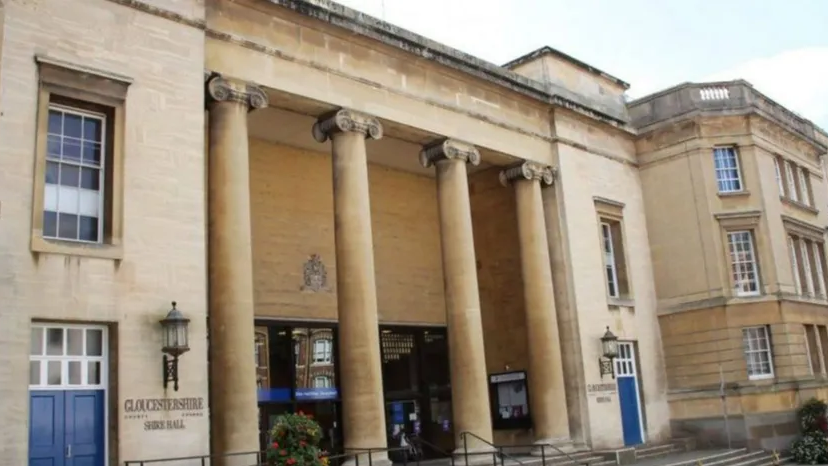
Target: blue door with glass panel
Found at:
x=627, y=378
x=67, y=396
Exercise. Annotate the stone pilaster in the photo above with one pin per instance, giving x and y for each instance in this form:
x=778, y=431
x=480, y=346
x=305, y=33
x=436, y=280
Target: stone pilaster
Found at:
x=359, y=351
x=233, y=403
x=469, y=384
x=546, y=382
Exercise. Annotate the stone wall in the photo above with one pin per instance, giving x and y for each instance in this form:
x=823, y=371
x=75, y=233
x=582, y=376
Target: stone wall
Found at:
x=163, y=215
x=292, y=215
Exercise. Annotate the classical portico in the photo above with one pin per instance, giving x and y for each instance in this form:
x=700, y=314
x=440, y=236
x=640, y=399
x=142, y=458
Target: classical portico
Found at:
x=348, y=134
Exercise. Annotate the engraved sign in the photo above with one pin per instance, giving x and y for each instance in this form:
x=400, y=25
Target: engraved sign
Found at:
x=602, y=391
x=163, y=413
x=315, y=275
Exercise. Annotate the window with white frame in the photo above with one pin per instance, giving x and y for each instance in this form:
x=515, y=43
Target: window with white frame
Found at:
x=321, y=381
x=67, y=356
x=792, y=248
x=73, y=203
x=804, y=184
x=609, y=260
x=745, y=271
x=808, y=266
x=728, y=173
x=322, y=351
x=757, y=347
x=779, y=182
x=793, y=192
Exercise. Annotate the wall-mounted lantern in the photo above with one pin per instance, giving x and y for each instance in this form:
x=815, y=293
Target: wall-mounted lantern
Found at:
x=609, y=348
x=174, y=344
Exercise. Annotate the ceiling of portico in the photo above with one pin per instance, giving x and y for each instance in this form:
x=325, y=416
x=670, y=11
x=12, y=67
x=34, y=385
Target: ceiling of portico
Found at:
x=289, y=119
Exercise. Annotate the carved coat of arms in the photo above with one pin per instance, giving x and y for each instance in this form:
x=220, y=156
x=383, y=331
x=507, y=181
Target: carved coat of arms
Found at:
x=315, y=275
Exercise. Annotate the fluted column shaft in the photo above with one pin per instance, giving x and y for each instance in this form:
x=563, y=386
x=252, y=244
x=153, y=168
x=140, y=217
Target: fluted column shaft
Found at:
x=359, y=352
x=546, y=382
x=233, y=403
x=469, y=385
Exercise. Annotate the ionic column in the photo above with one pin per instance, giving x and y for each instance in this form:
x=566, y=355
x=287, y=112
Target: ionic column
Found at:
x=469, y=385
x=233, y=404
x=359, y=355
x=546, y=382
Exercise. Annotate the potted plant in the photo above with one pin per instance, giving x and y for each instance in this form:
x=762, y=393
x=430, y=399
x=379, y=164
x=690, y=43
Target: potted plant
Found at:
x=294, y=441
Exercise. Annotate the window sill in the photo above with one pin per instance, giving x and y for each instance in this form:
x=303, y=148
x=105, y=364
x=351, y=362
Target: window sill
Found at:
x=734, y=194
x=620, y=302
x=98, y=251
x=798, y=205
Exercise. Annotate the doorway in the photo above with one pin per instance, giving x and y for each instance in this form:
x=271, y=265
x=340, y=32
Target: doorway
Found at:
x=628, y=394
x=417, y=390
x=68, y=367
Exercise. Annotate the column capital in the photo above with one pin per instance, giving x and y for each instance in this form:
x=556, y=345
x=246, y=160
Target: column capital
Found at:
x=346, y=120
x=448, y=149
x=531, y=171
x=220, y=89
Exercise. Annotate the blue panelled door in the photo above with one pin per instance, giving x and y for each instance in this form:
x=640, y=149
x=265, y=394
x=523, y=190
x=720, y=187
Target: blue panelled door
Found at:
x=627, y=377
x=630, y=420
x=66, y=428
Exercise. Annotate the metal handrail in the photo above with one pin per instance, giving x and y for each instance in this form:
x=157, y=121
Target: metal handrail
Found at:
x=498, y=450
x=543, y=451
x=206, y=460
x=435, y=448
x=261, y=457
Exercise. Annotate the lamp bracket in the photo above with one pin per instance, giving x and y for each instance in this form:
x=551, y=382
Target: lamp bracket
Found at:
x=170, y=368
x=606, y=366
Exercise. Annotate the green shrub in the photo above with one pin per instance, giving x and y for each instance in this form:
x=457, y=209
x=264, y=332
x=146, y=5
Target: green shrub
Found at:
x=812, y=447
x=295, y=442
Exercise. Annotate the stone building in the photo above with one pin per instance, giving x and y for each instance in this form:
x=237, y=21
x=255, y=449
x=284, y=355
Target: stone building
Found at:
x=366, y=225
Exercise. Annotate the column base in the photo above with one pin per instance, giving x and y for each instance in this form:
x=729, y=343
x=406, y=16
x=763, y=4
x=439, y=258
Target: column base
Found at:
x=476, y=456
x=558, y=446
x=377, y=458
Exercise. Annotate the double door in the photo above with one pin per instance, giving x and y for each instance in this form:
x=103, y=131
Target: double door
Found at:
x=66, y=428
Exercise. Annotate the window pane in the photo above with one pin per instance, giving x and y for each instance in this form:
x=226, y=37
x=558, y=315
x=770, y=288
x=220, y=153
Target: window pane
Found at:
x=34, y=372
x=88, y=228
x=54, y=342
x=90, y=178
x=67, y=226
x=75, y=373
x=71, y=149
x=36, y=347
x=53, y=146
x=91, y=153
x=93, y=374
x=69, y=175
x=52, y=172
x=53, y=375
x=94, y=343
x=49, y=224
x=74, y=342
x=72, y=125
x=92, y=129
x=55, y=122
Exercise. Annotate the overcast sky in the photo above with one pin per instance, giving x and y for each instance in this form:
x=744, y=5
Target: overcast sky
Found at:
x=780, y=46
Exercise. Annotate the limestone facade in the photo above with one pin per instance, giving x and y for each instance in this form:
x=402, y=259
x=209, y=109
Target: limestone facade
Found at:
x=248, y=142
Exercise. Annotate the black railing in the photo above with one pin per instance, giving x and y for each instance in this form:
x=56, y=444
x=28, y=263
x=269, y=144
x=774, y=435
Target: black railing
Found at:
x=365, y=456
x=496, y=450
x=259, y=458
x=543, y=455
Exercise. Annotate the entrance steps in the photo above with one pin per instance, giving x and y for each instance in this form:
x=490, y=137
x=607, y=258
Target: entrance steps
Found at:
x=679, y=452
